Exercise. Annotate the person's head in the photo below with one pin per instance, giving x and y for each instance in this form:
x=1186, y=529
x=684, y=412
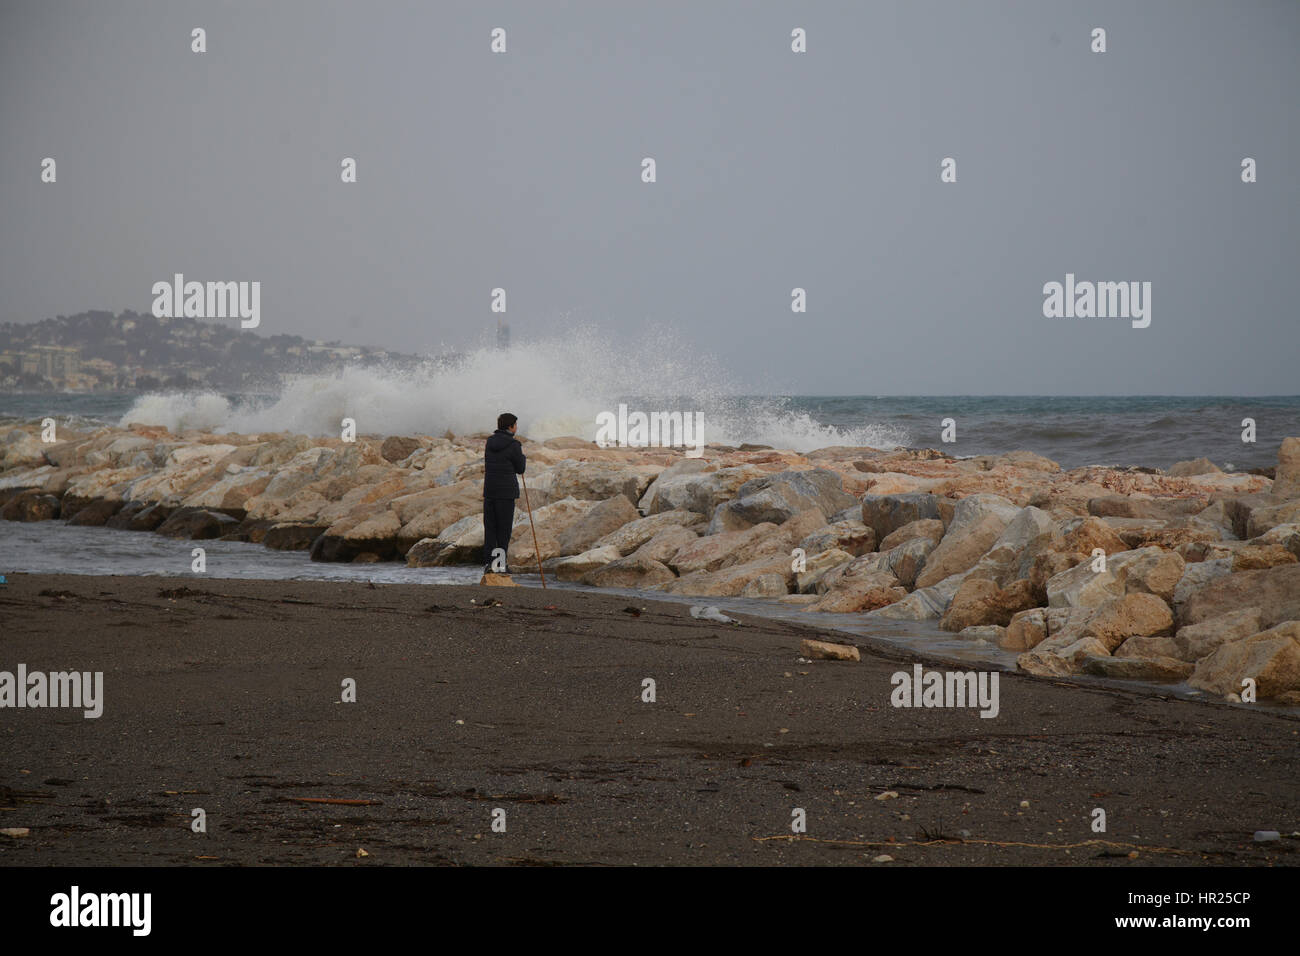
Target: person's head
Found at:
x=507, y=422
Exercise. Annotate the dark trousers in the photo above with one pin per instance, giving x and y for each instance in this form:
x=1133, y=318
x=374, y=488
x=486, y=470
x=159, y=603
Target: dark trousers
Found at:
x=498, y=519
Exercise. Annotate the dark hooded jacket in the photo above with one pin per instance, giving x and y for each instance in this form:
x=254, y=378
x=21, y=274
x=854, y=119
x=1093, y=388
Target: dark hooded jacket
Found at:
x=503, y=458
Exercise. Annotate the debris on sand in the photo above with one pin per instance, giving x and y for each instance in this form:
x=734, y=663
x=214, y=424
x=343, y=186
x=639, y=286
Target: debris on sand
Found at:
x=826, y=651
x=711, y=613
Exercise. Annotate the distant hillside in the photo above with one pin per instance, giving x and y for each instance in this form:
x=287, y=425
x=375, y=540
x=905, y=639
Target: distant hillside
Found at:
x=98, y=350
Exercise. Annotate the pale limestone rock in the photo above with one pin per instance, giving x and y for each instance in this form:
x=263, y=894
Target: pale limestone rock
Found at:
x=826, y=651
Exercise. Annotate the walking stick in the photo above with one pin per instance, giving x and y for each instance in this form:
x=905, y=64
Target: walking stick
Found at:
x=536, y=553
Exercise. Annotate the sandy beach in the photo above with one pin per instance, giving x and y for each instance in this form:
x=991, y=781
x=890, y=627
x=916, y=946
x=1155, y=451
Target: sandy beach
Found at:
x=225, y=695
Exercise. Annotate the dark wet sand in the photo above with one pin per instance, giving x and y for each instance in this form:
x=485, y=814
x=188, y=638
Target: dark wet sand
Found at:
x=226, y=695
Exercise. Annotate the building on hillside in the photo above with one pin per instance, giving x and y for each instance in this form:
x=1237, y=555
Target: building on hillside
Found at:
x=53, y=362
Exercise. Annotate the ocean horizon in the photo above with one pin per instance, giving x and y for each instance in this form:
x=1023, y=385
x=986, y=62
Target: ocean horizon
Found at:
x=1134, y=431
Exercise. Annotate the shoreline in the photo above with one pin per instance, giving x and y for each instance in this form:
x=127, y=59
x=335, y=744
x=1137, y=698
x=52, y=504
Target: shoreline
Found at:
x=922, y=639
x=1187, y=574
x=225, y=696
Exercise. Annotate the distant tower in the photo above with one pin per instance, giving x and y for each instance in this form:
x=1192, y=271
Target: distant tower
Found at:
x=503, y=335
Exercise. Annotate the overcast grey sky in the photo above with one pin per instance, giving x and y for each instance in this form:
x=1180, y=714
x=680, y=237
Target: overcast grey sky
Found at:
x=775, y=170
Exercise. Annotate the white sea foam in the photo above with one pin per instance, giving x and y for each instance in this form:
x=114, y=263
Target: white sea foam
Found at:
x=555, y=386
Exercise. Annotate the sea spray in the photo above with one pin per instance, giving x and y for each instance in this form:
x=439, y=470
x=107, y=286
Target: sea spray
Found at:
x=558, y=386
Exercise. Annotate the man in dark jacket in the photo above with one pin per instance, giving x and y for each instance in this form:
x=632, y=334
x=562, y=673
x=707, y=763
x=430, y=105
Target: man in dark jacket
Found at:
x=503, y=459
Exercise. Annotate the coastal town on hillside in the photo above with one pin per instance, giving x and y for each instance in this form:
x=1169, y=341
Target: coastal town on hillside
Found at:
x=99, y=351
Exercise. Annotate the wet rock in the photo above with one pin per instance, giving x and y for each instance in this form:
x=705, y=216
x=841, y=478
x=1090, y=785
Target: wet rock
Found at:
x=345, y=540
x=988, y=633
x=96, y=513
x=291, y=537
x=196, y=524
x=1149, y=647
x=121, y=519
x=30, y=506
x=1137, y=668
x=150, y=518
x=423, y=553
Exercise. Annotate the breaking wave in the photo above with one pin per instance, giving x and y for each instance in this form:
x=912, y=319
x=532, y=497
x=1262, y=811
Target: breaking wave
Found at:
x=556, y=387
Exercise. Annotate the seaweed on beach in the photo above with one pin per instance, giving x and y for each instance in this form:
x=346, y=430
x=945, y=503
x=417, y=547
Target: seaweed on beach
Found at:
x=180, y=592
